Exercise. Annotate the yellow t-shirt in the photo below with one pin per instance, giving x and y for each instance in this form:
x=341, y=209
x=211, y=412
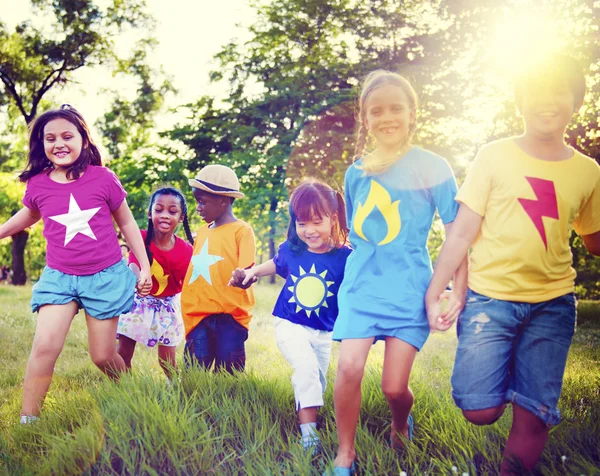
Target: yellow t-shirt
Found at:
x=217, y=252
x=529, y=208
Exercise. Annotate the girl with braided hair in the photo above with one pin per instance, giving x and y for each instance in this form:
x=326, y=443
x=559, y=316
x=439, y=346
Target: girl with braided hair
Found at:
x=156, y=318
x=392, y=191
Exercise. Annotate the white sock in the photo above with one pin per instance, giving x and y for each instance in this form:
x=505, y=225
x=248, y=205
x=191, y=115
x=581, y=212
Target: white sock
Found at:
x=309, y=432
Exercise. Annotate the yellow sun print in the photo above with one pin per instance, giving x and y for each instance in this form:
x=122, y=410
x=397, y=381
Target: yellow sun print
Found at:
x=310, y=290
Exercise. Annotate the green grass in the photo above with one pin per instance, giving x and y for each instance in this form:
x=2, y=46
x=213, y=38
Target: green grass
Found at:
x=218, y=424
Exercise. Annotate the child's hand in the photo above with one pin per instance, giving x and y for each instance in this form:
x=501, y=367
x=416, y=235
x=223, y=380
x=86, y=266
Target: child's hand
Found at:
x=242, y=278
x=442, y=316
x=144, y=284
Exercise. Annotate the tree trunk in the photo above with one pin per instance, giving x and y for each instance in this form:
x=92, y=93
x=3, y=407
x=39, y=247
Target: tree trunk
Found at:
x=18, y=257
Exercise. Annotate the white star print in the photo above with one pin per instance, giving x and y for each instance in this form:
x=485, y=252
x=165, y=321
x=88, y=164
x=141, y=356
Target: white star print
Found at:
x=76, y=220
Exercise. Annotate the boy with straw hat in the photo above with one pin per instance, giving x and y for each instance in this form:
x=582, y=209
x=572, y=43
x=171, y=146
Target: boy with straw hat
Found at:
x=217, y=316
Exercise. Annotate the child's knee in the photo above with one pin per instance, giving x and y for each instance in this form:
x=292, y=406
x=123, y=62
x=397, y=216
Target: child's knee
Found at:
x=396, y=392
x=103, y=359
x=45, y=349
x=486, y=416
x=349, y=369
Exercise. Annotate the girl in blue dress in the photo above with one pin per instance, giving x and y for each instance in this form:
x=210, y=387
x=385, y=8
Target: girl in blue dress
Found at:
x=391, y=193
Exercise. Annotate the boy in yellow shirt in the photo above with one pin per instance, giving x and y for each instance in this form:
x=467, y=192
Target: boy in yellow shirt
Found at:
x=521, y=200
x=217, y=316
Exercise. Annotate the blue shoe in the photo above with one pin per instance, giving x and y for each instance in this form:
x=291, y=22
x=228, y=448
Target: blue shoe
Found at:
x=312, y=445
x=411, y=426
x=340, y=471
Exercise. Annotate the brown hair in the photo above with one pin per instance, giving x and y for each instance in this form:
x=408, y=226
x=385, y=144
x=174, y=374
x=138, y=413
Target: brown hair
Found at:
x=371, y=82
x=38, y=162
x=313, y=198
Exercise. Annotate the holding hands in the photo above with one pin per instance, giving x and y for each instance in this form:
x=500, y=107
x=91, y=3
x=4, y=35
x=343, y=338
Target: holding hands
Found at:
x=144, y=284
x=441, y=317
x=243, y=278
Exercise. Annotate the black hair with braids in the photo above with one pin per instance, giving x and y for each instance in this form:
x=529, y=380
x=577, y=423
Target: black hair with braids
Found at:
x=184, y=212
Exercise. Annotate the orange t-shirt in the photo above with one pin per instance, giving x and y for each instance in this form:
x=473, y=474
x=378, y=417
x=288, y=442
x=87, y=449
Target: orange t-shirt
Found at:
x=217, y=253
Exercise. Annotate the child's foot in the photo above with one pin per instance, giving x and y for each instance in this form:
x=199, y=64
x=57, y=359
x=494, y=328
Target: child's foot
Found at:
x=28, y=419
x=395, y=439
x=311, y=443
x=341, y=470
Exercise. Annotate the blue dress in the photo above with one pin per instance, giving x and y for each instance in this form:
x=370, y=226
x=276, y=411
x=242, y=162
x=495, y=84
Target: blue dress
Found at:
x=386, y=277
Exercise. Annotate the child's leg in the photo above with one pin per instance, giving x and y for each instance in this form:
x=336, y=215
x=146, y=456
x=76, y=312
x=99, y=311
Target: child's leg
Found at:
x=167, y=360
x=308, y=352
x=526, y=441
x=200, y=344
x=347, y=396
x=103, y=347
x=53, y=324
x=230, y=348
x=541, y=352
x=126, y=348
x=397, y=364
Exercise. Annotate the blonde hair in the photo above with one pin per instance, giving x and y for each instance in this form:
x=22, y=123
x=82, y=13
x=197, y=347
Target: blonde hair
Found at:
x=375, y=79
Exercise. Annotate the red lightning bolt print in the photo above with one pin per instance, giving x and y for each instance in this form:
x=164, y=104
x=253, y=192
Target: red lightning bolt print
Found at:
x=544, y=206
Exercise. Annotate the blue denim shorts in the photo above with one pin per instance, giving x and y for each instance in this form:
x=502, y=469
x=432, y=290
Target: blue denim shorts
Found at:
x=217, y=339
x=513, y=352
x=106, y=294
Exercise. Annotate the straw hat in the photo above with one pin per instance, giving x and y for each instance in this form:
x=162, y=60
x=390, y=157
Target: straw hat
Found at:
x=218, y=179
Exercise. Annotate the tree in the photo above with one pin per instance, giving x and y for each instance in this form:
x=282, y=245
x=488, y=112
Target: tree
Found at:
x=33, y=61
x=292, y=91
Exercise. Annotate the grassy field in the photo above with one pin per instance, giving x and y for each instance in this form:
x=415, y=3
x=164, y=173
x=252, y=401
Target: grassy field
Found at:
x=218, y=424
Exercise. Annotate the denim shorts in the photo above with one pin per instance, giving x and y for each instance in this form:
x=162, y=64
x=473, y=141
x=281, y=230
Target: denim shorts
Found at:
x=513, y=352
x=217, y=338
x=104, y=295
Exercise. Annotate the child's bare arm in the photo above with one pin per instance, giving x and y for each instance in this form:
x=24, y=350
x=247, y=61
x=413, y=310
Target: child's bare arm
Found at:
x=592, y=243
x=243, y=278
x=24, y=218
x=131, y=232
x=461, y=235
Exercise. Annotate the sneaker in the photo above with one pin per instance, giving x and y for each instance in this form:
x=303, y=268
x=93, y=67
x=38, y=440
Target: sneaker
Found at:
x=311, y=443
x=28, y=419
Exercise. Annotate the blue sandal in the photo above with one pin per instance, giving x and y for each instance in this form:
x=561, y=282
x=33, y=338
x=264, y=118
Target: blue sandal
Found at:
x=341, y=471
x=411, y=426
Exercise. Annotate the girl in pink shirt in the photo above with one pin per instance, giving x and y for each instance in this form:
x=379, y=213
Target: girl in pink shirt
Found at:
x=77, y=198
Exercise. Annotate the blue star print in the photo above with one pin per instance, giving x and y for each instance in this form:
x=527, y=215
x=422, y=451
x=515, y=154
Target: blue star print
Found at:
x=202, y=262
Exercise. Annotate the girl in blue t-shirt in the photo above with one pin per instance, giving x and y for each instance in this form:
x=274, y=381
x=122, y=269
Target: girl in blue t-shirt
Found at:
x=312, y=261
x=392, y=192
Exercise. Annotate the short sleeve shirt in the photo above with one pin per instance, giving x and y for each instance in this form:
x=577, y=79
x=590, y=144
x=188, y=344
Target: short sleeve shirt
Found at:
x=168, y=267
x=78, y=226
x=529, y=208
x=312, y=281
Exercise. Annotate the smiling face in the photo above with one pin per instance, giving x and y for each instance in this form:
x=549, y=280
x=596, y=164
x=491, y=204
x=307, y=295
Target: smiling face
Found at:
x=166, y=213
x=62, y=142
x=316, y=233
x=389, y=116
x=547, y=108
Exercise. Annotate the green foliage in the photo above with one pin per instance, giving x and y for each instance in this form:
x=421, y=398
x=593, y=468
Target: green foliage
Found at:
x=247, y=424
x=33, y=61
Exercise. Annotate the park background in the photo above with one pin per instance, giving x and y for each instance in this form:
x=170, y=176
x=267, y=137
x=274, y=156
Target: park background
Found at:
x=269, y=88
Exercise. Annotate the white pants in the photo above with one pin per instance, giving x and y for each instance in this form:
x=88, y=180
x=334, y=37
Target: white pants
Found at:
x=308, y=351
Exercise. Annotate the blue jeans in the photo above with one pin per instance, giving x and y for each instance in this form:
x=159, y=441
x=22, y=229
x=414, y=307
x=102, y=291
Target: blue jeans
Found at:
x=513, y=352
x=218, y=338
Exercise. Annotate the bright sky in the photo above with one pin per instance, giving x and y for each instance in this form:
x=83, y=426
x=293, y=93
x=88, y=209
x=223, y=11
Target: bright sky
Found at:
x=189, y=33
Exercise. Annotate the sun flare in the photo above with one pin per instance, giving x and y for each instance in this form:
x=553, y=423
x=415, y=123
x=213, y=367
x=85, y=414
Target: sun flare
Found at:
x=522, y=38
